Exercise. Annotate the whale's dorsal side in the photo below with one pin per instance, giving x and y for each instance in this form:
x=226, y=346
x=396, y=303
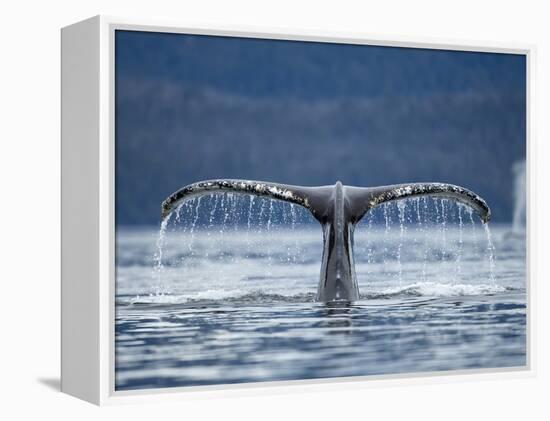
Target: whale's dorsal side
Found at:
x=338, y=208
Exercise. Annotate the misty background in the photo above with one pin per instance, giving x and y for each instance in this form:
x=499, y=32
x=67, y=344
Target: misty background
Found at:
x=191, y=108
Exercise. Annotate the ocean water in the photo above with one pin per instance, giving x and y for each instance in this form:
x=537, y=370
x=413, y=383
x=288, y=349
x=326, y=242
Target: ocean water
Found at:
x=226, y=294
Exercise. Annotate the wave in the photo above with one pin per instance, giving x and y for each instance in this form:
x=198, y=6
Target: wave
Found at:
x=435, y=289
x=260, y=297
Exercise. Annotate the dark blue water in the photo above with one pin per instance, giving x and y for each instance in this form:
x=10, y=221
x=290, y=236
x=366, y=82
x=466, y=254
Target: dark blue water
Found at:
x=202, y=344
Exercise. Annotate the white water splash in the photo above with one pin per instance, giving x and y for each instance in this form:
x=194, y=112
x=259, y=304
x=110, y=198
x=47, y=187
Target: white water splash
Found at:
x=293, y=217
x=387, y=221
x=250, y=206
x=444, y=225
x=435, y=289
x=472, y=223
x=425, y=261
x=161, y=242
x=460, y=242
x=195, y=214
x=490, y=253
x=369, y=243
x=398, y=251
x=401, y=207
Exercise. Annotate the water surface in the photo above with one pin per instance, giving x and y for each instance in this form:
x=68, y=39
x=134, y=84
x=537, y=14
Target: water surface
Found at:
x=228, y=299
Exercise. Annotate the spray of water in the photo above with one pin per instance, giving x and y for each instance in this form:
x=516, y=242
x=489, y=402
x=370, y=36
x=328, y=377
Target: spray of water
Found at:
x=444, y=225
x=460, y=242
x=248, y=222
x=387, y=222
x=370, y=250
x=269, y=250
x=250, y=207
x=416, y=213
x=401, y=207
x=472, y=224
x=518, y=222
x=293, y=220
x=490, y=254
x=161, y=242
x=426, y=245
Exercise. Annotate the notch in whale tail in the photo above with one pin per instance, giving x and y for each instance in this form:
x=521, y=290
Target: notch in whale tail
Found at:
x=338, y=208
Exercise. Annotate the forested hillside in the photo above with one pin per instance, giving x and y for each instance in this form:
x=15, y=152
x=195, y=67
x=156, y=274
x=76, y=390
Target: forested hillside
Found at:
x=193, y=108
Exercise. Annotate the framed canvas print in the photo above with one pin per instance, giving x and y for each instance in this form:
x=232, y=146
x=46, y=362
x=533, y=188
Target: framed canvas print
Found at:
x=248, y=209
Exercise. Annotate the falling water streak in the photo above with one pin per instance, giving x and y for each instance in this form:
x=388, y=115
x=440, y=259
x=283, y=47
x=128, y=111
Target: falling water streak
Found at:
x=440, y=237
x=195, y=214
x=270, y=215
x=490, y=254
x=182, y=224
x=426, y=207
x=270, y=242
x=248, y=221
x=261, y=215
x=285, y=222
x=426, y=245
x=284, y=213
x=386, y=234
x=287, y=217
x=443, y=252
x=181, y=215
x=401, y=208
x=223, y=210
x=436, y=212
x=250, y=205
x=369, y=243
x=460, y=242
x=409, y=215
x=161, y=240
x=235, y=201
x=235, y=212
x=418, y=228
x=178, y=210
x=214, y=198
x=437, y=218
x=293, y=225
x=444, y=225
x=191, y=228
x=474, y=233
x=226, y=198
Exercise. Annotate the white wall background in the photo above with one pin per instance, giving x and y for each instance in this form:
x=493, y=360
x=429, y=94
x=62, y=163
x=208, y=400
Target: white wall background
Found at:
x=29, y=211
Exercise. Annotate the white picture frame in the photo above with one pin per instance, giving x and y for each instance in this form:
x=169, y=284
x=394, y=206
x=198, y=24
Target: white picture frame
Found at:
x=88, y=270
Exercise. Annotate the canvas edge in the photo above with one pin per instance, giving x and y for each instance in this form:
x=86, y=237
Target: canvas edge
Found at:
x=80, y=336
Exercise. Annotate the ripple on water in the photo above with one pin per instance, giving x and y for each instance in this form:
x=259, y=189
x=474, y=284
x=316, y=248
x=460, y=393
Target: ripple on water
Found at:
x=246, y=311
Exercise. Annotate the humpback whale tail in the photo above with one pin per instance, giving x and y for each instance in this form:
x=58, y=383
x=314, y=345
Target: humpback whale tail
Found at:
x=338, y=209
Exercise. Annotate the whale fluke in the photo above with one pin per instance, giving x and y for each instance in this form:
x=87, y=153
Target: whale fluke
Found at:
x=338, y=208
x=294, y=194
x=365, y=198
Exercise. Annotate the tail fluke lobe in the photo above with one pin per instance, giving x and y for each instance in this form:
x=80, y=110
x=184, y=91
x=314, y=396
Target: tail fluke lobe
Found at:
x=363, y=199
x=294, y=194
